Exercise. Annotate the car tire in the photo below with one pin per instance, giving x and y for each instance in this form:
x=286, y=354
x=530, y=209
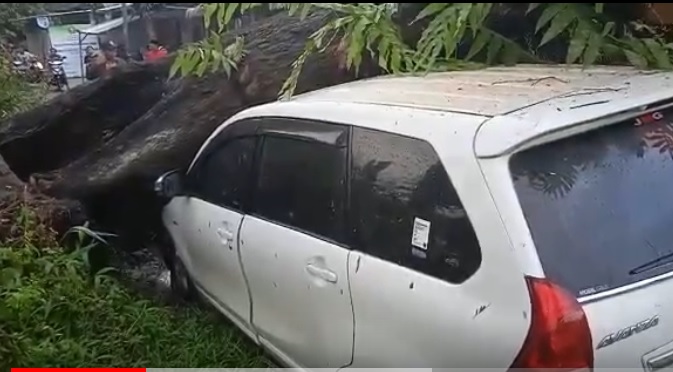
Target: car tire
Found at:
x=181, y=284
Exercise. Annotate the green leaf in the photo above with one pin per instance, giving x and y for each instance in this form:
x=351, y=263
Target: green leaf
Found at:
x=217, y=61
x=209, y=10
x=531, y=7
x=635, y=59
x=431, y=9
x=577, y=44
x=230, y=11
x=493, y=49
x=612, y=52
x=356, y=44
x=306, y=9
x=203, y=64
x=176, y=65
x=9, y=276
x=548, y=14
x=190, y=62
x=477, y=16
x=479, y=43
x=510, y=55
x=222, y=10
x=659, y=53
x=637, y=46
x=607, y=29
x=558, y=25
x=593, y=49
x=598, y=7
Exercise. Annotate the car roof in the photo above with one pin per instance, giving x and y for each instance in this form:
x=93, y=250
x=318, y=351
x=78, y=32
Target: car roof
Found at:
x=502, y=107
x=486, y=92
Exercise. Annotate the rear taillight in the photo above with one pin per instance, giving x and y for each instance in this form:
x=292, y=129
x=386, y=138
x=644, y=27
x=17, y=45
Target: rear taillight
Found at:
x=559, y=336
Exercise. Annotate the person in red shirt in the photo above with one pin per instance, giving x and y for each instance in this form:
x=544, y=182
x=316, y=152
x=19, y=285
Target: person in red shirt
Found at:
x=155, y=51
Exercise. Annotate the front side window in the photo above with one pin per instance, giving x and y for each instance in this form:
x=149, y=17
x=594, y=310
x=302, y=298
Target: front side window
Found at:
x=302, y=184
x=405, y=209
x=222, y=175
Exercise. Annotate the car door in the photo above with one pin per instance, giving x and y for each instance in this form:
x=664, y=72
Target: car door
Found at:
x=293, y=244
x=422, y=297
x=210, y=218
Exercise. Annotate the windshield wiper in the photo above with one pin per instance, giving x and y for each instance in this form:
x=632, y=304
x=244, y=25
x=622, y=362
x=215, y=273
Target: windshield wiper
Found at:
x=657, y=262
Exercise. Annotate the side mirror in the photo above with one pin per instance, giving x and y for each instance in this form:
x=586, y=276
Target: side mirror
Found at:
x=169, y=184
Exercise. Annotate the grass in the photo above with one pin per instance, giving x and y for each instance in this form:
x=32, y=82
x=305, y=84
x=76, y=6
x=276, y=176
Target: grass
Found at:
x=55, y=313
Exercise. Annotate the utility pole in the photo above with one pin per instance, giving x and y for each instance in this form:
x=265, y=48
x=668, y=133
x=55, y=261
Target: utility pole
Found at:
x=125, y=24
x=92, y=13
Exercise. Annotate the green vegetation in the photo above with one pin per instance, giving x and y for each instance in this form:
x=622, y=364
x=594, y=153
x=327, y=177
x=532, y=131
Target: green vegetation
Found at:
x=11, y=25
x=15, y=94
x=54, y=313
x=374, y=30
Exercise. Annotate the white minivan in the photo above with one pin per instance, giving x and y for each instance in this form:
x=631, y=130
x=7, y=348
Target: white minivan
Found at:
x=512, y=217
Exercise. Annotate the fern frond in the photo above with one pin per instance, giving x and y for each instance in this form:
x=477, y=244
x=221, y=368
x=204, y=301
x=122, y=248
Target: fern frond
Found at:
x=368, y=30
x=210, y=53
x=447, y=29
x=592, y=40
x=363, y=27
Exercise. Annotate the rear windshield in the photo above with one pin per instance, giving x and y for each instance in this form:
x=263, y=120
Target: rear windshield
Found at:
x=599, y=205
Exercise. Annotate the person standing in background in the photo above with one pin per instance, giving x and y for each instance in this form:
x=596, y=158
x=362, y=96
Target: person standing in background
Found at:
x=122, y=52
x=89, y=54
x=155, y=51
x=105, y=62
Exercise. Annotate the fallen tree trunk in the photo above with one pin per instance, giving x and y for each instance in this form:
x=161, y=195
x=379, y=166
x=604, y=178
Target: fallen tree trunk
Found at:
x=63, y=129
x=113, y=176
x=105, y=143
x=17, y=198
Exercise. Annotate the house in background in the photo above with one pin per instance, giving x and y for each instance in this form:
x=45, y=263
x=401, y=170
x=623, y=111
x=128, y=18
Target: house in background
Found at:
x=72, y=27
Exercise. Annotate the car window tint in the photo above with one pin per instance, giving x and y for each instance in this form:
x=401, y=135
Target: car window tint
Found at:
x=302, y=184
x=597, y=203
x=223, y=176
x=400, y=189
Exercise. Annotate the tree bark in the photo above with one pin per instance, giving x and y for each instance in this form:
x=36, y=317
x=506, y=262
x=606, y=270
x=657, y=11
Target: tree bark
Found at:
x=72, y=124
x=53, y=215
x=106, y=143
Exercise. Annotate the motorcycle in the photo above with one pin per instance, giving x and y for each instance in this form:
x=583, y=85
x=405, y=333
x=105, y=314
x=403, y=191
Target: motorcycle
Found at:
x=58, y=76
x=19, y=67
x=32, y=71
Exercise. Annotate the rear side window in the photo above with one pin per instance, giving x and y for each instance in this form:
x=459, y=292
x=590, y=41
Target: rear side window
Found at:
x=302, y=184
x=599, y=204
x=405, y=209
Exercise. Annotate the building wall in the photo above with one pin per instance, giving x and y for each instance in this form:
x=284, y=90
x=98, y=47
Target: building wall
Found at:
x=67, y=44
x=137, y=36
x=167, y=29
x=171, y=28
x=37, y=39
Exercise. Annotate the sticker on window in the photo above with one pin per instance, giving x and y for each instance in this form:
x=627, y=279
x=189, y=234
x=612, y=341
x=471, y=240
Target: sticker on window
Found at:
x=421, y=233
x=592, y=290
x=649, y=118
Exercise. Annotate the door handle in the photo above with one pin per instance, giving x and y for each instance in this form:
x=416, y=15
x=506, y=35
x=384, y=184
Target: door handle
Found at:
x=324, y=274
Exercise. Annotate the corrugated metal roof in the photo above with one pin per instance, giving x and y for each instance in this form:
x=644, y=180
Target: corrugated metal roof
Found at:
x=104, y=27
x=489, y=92
x=63, y=7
